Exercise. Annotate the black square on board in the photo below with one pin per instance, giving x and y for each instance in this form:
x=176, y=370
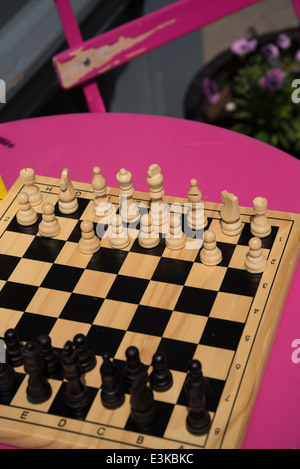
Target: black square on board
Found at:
x=157, y=251
x=58, y=406
x=76, y=232
x=127, y=289
x=107, y=260
x=31, y=326
x=104, y=339
x=5, y=399
x=266, y=242
x=178, y=353
x=16, y=296
x=158, y=425
x=44, y=249
x=213, y=396
x=196, y=301
x=81, y=308
x=221, y=333
x=30, y=230
x=149, y=320
x=7, y=265
x=82, y=204
x=240, y=282
x=172, y=271
x=227, y=250
x=62, y=277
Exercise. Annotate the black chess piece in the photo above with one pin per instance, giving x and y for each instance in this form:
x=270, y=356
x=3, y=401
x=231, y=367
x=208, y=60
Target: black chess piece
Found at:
x=13, y=348
x=112, y=395
x=77, y=396
x=160, y=378
x=195, y=376
x=86, y=356
x=38, y=388
x=143, y=408
x=8, y=379
x=49, y=355
x=133, y=364
x=198, y=420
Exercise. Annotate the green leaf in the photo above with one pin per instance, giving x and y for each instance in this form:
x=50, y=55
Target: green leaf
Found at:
x=262, y=136
x=242, y=114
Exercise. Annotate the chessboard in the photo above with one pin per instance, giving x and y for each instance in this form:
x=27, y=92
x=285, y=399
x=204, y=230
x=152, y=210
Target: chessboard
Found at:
x=156, y=299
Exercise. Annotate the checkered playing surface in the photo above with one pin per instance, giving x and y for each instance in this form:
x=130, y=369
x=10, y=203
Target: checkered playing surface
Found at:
x=155, y=299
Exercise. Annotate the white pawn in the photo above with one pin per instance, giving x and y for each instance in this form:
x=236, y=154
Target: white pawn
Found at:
x=26, y=215
x=159, y=209
x=210, y=254
x=67, y=200
x=197, y=218
x=28, y=178
x=102, y=206
x=255, y=261
x=129, y=208
x=175, y=239
x=118, y=237
x=148, y=237
x=260, y=225
x=89, y=243
x=49, y=226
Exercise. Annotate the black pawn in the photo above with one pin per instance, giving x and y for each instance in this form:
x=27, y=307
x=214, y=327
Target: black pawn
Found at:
x=133, y=364
x=198, y=420
x=13, y=348
x=143, y=409
x=8, y=379
x=76, y=396
x=195, y=376
x=111, y=395
x=86, y=357
x=38, y=389
x=161, y=377
x=49, y=355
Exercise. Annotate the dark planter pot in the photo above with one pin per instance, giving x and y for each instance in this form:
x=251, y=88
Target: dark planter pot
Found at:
x=222, y=69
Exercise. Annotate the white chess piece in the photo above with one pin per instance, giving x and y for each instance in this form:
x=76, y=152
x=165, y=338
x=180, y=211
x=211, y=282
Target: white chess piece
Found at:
x=260, y=225
x=118, y=237
x=67, y=200
x=89, y=243
x=148, y=237
x=231, y=224
x=26, y=215
x=49, y=226
x=175, y=239
x=255, y=261
x=210, y=254
x=102, y=206
x=129, y=208
x=28, y=178
x=159, y=209
x=197, y=218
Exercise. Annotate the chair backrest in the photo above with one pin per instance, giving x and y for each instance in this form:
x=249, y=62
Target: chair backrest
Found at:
x=84, y=61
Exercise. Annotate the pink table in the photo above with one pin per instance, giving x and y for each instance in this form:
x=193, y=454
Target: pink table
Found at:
x=219, y=160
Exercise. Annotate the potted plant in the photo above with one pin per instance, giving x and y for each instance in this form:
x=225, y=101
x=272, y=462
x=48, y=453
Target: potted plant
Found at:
x=252, y=89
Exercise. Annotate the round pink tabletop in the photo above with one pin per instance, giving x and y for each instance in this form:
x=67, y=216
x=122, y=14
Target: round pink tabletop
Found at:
x=218, y=159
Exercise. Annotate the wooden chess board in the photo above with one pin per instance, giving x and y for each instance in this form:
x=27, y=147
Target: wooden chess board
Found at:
x=154, y=299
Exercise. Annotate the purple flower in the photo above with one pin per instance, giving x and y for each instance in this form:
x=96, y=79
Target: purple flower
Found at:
x=297, y=56
x=271, y=52
x=283, y=41
x=210, y=89
x=243, y=46
x=274, y=80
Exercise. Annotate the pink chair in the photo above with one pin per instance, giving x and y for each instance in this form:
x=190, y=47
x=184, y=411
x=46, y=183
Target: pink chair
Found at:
x=84, y=61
